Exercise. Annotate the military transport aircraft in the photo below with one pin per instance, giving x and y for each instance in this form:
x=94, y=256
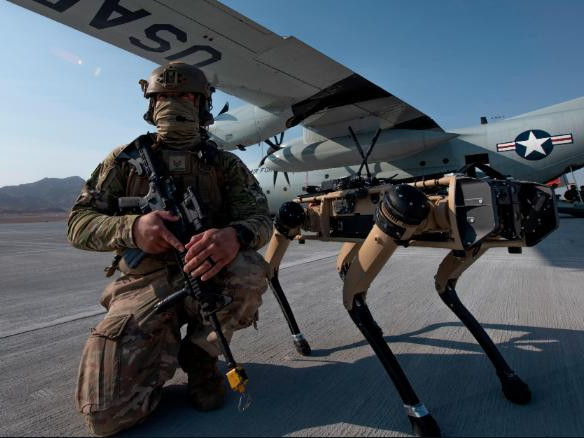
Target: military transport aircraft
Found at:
x=288, y=83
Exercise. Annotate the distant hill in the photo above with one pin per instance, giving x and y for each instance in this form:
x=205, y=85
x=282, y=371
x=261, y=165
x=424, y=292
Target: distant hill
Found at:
x=46, y=195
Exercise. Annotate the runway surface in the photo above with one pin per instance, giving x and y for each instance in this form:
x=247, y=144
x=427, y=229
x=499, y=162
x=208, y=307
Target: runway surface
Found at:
x=531, y=304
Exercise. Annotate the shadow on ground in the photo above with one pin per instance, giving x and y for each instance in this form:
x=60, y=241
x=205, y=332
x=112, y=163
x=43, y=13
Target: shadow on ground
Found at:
x=565, y=251
x=463, y=393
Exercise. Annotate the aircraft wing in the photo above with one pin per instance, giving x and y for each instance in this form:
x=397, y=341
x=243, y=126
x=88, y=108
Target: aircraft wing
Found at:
x=240, y=57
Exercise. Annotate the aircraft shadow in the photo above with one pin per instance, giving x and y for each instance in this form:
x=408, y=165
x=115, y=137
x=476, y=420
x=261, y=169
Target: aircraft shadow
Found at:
x=463, y=393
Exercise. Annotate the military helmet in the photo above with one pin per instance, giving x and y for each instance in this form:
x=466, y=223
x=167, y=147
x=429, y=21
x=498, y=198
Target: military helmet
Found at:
x=178, y=77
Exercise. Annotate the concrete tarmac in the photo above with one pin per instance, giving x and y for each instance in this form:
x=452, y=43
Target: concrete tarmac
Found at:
x=531, y=304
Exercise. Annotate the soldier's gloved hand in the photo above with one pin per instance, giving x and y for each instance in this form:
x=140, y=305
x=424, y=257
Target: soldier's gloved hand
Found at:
x=152, y=236
x=209, y=251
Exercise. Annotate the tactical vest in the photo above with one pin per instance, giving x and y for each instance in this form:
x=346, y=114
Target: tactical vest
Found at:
x=187, y=168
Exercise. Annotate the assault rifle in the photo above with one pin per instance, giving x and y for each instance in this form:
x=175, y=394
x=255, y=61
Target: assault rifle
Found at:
x=162, y=195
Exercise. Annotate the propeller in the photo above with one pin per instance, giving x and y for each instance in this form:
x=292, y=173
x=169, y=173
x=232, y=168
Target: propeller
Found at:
x=285, y=176
x=274, y=146
x=224, y=109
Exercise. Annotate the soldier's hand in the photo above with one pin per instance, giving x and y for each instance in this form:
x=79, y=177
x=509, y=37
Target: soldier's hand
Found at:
x=209, y=251
x=152, y=236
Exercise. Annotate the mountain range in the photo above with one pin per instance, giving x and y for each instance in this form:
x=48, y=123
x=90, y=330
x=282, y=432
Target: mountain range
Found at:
x=44, y=196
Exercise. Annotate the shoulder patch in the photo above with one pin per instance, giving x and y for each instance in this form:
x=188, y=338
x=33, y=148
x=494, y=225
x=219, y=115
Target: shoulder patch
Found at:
x=107, y=165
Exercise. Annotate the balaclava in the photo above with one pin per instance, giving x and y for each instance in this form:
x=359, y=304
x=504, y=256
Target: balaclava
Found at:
x=177, y=122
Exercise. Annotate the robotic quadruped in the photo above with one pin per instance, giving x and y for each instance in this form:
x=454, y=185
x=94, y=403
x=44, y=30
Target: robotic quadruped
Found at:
x=466, y=214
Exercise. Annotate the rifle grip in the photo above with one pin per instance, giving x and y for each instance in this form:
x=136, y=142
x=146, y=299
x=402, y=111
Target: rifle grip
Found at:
x=129, y=203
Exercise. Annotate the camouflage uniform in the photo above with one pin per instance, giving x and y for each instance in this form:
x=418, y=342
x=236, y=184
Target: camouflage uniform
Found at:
x=126, y=359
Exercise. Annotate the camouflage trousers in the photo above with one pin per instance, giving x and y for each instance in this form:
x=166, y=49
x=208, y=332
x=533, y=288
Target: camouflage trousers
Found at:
x=127, y=359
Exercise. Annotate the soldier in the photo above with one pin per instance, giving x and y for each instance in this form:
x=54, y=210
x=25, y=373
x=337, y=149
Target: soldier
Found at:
x=127, y=358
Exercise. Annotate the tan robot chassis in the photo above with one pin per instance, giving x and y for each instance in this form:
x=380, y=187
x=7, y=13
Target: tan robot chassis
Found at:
x=467, y=215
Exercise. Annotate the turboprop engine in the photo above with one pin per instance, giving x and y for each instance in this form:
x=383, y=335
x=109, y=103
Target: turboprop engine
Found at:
x=299, y=155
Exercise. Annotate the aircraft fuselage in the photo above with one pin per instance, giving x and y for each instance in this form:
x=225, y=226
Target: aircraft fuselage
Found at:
x=537, y=146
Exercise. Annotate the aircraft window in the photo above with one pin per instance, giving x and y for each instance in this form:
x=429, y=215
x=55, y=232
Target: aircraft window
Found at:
x=285, y=189
x=267, y=192
x=446, y=161
x=422, y=163
x=326, y=176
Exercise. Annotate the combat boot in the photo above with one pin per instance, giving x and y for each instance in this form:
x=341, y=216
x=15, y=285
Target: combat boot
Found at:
x=206, y=388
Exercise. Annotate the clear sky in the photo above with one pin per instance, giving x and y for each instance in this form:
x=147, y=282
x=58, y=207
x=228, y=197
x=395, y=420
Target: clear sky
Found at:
x=68, y=99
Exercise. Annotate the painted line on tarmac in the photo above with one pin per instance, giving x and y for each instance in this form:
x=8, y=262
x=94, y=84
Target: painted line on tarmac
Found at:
x=59, y=321
x=92, y=313
x=322, y=256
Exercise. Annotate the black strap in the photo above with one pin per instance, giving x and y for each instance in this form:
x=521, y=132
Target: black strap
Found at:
x=469, y=170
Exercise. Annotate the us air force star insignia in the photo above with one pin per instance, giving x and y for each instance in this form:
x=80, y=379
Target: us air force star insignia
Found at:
x=534, y=144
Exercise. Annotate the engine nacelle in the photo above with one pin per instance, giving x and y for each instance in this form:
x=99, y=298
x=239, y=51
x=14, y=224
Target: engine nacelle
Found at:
x=394, y=144
x=247, y=125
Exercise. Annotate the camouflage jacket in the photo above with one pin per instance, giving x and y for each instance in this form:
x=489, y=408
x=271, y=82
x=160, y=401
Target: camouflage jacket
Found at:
x=227, y=187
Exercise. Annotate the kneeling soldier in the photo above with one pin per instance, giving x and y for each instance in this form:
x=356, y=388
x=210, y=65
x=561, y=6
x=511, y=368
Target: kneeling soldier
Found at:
x=128, y=357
